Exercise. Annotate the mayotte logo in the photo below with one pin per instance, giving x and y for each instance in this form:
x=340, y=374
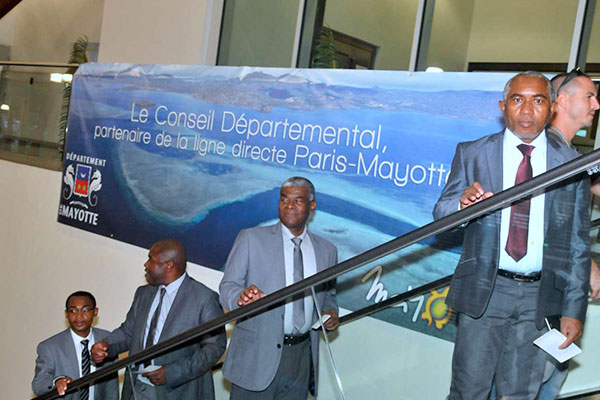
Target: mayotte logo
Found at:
x=436, y=309
x=82, y=182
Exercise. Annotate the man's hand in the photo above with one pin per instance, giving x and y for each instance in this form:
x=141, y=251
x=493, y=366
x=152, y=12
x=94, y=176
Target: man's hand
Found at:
x=62, y=384
x=250, y=294
x=473, y=194
x=333, y=322
x=572, y=328
x=595, y=281
x=99, y=351
x=158, y=377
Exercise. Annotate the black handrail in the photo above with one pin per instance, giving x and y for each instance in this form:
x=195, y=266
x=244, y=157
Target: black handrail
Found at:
x=458, y=218
x=401, y=297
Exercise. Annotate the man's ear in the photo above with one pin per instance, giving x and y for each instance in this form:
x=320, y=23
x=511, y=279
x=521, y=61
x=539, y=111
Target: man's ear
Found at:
x=553, y=107
x=561, y=101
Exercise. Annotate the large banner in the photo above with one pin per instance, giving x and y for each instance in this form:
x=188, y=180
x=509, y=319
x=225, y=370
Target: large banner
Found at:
x=199, y=153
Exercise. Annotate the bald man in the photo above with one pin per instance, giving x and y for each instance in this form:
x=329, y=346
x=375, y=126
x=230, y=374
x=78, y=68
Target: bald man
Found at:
x=576, y=104
x=171, y=303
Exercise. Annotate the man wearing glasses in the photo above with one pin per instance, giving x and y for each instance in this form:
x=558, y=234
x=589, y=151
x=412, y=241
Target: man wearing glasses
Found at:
x=65, y=356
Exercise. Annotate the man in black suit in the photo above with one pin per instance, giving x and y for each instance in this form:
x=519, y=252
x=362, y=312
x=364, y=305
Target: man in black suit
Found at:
x=520, y=264
x=172, y=303
x=62, y=358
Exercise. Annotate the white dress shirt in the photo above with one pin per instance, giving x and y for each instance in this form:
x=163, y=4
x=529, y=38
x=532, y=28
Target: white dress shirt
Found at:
x=168, y=299
x=310, y=268
x=78, y=349
x=511, y=158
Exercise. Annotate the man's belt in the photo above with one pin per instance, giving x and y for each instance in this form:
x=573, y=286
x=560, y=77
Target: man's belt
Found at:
x=290, y=340
x=536, y=276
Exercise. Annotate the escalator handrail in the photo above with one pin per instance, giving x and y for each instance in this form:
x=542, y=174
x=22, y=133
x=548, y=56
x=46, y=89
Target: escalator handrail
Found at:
x=409, y=294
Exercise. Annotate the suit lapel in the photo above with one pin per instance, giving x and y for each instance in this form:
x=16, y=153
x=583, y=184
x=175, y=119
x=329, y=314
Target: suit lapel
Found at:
x=553, y=159
x=494, y=155
x=70, y=354
x=177, y=304
x=144, y=311
x=318, y=252
x=277, y=240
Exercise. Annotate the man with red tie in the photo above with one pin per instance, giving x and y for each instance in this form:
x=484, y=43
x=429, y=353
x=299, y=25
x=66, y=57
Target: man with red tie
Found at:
x=520, y=264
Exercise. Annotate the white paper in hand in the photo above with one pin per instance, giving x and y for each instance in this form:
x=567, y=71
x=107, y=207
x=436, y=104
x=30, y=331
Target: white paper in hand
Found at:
x=324, y=318
x=550, y=341
x=148, y=368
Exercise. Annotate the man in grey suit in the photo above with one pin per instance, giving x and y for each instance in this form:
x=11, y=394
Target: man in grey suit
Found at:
x=270, y=354
x=62, y=357
x=521, y=264
x=172, y=303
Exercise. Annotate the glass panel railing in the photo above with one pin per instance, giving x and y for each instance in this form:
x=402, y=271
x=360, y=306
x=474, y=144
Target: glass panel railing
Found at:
x=364, y=341
x=404, y=348
x=582, y=377
x=31, y=108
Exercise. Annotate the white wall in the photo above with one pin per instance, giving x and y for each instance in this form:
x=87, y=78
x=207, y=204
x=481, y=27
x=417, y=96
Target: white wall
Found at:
x=522, y=31
x=43, y=30
x=160, y=32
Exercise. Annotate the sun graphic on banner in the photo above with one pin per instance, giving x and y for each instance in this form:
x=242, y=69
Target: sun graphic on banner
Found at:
x=436, y=309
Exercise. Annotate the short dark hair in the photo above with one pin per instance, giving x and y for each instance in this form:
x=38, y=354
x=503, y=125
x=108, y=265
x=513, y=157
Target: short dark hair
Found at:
x=174, y=251
x=81, y=293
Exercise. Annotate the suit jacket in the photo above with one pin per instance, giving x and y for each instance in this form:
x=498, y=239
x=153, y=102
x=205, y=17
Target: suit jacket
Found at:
x=566, y=253
x=188, y=368
x=257, y=259
x=57, y=357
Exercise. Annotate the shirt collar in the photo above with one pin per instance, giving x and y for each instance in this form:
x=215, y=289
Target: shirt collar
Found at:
x=560, y=134
x=173, y=287
x=513, y=140
x=77, y=339
x=287, y=234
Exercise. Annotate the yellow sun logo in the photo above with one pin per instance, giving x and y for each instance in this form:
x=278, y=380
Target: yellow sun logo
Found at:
x=436, y=309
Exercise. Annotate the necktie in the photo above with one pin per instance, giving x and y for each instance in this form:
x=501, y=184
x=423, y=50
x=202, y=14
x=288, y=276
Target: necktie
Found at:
x=298, y=305
x=84, y=392
x=154, y=322
x=516, y=243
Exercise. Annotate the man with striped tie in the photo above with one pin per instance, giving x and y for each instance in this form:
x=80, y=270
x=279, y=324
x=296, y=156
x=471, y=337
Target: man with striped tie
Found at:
x=66, y=356
x=172, y=302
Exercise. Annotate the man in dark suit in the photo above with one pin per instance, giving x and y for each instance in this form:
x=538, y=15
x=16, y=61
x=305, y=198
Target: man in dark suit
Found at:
x=65, y=356
x=172, y=303
x=270, y=354
x=520, y=264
